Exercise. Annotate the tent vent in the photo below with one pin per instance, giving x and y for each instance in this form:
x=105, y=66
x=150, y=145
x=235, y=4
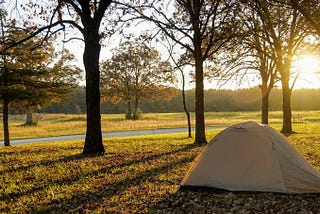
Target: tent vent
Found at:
x=239, y=129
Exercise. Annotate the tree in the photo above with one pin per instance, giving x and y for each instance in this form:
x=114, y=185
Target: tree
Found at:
x=180, y=64
x=51, y=74
x=28, y=79
x=310, y=9
x=87, y=17
x=134, y=73
x=285, y=33
x=4, y=92
x=200, y=27
x=51, y=86
x=258, y=57
x=268, y=74
x=14, y=78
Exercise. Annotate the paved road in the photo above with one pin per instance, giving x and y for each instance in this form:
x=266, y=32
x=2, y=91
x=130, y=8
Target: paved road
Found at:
x=104, y=135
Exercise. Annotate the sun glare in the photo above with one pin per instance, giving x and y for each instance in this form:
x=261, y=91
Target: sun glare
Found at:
x=308, y=67
x=309, y=64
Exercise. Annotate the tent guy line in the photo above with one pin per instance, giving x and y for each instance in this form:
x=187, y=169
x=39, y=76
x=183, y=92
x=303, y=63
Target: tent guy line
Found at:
x=105, y=135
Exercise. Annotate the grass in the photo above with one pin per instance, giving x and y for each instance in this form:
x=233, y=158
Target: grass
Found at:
x=54, y=177
x=61, y=124
x=136, y=175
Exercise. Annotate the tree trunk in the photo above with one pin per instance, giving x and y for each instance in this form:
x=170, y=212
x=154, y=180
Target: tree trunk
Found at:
x=129, y=113
x=265, y=103
x=136, y=109
x=286, y=107
x=93, y=141
x=185, y=105
x=265, y=109
x=5, y=119
x=136, y=106
x=189, y=124
x=200, y=135
x=5, y=107
x=29, y=118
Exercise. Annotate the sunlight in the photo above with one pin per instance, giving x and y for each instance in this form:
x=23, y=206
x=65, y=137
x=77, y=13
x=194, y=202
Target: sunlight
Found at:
x=308, y=67
x=309, y=64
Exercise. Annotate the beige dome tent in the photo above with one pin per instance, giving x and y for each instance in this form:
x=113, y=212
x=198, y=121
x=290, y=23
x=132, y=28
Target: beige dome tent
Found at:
x=252, y=157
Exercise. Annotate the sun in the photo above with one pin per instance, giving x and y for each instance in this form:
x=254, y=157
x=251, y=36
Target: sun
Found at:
x=307, y=67
x=308, y=64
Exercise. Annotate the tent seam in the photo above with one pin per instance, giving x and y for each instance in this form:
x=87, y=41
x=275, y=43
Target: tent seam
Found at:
x=274, y=151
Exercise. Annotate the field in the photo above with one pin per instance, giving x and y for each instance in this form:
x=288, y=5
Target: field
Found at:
x=62, y=124
x=137, y=174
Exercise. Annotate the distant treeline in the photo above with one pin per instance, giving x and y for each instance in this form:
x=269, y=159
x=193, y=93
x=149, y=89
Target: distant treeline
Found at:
x=215, y=101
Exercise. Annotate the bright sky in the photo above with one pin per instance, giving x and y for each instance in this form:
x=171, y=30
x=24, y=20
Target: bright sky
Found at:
x=309, y=75
x=308, y=66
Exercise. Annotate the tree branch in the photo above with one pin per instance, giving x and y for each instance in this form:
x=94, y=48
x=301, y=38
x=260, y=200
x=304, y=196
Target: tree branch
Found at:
x=40, y=30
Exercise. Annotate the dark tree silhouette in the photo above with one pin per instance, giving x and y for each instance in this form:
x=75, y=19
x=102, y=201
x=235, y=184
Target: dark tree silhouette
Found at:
x=87, y=17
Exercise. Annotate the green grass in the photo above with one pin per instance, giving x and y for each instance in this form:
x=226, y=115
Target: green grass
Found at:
x=136, y=175
x=61, y=124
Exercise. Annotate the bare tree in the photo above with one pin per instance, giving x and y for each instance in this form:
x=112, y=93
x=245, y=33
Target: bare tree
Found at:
x=200, y=27
x=180, y=64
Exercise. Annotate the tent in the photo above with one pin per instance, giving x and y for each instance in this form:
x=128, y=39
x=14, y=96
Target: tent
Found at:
x=252, y=157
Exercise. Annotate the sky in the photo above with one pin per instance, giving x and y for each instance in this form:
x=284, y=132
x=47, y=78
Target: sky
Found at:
x=306, y=80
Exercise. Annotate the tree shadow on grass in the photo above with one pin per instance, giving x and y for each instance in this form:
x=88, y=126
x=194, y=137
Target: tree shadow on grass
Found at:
x=98, y=196
x=26, y=170
x=204, y=201
x=37, y=149
x=44, y=163
x=107, y=189
x=91, y=196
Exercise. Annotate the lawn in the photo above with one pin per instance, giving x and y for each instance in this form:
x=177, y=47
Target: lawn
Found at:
x=136, y=175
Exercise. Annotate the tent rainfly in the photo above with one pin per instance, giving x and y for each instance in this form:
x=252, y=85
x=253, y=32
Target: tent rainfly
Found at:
x=252, y=157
